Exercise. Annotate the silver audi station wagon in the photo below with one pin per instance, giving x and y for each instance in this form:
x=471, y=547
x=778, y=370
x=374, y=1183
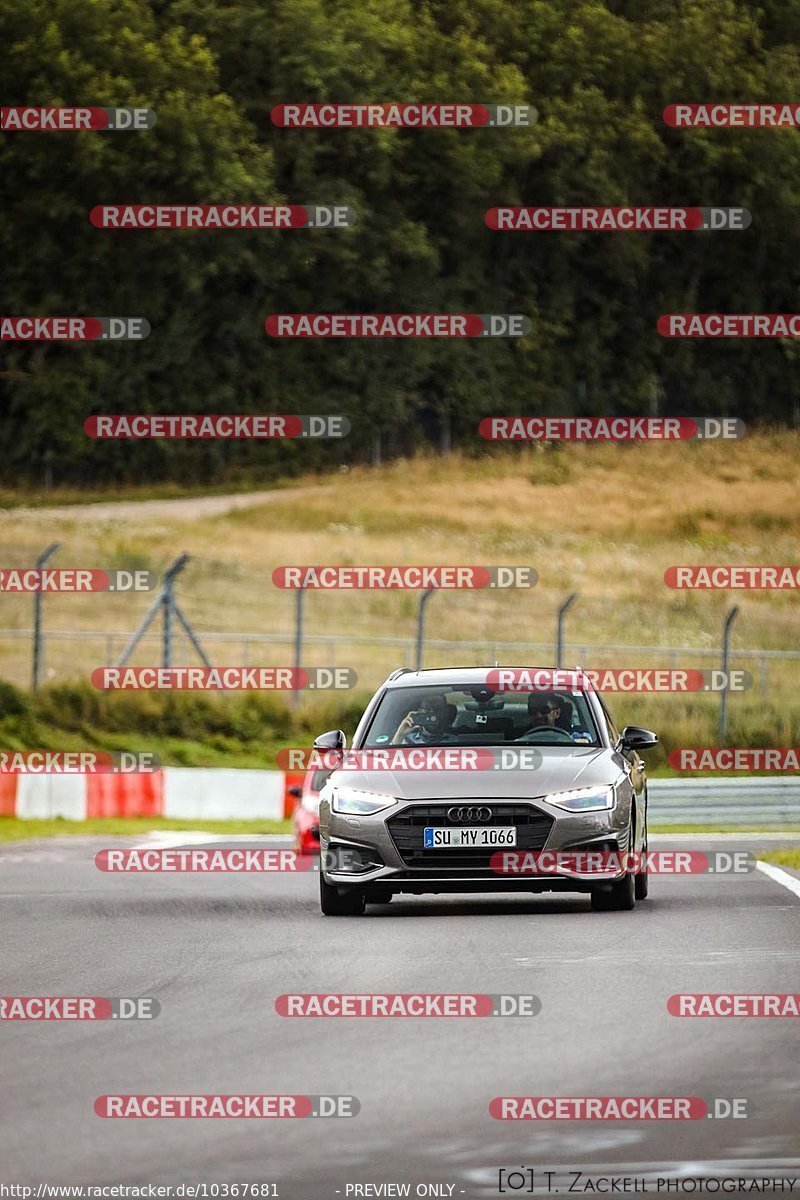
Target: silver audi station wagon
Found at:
x=484, y=780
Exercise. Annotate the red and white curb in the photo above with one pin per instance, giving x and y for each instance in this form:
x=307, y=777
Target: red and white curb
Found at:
x=182, y=793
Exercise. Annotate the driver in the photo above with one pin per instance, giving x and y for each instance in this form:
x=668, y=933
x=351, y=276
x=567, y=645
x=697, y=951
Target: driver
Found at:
x=544, y=708
x=430, y=723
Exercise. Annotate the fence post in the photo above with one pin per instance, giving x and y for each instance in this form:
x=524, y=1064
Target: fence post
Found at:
x=170, y=607
x=730, y=617
x=166, y=647
x=562, y=612
x=298, y=641
x=37, y=618
x=423, y=600
x=166, y=602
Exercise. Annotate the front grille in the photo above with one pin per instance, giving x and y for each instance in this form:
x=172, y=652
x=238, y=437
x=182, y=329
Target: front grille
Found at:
x=533, y=828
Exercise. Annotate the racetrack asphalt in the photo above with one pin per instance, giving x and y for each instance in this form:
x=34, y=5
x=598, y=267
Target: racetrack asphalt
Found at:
x=217, y=949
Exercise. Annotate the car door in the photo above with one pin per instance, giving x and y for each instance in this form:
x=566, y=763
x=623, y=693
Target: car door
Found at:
x=635, y=767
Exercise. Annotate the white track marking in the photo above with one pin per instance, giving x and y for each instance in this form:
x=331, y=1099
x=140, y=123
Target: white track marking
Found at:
x=791, y=882
x=162, y=839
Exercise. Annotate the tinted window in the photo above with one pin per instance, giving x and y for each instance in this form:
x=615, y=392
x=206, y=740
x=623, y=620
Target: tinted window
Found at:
x=475, y=716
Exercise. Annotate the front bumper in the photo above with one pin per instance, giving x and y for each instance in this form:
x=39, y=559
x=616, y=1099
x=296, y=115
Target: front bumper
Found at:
x=386, y=849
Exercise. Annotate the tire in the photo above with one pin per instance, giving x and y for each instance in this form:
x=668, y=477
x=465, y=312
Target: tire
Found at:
x=621, y=896
x=340, y=904
x=643, y=880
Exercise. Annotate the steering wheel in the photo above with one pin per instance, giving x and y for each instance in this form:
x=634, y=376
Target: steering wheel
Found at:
x=562, y=733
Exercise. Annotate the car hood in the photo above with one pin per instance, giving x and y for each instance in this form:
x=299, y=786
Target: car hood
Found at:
x=561, y=769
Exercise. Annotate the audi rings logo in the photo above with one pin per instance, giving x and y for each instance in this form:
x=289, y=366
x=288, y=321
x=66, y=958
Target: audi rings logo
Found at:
x=473, y=813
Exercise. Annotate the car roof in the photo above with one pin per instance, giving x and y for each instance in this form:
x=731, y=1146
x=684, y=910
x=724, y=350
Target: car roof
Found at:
x=455, y=676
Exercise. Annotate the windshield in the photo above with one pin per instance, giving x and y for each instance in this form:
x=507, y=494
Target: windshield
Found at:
x=476, y=716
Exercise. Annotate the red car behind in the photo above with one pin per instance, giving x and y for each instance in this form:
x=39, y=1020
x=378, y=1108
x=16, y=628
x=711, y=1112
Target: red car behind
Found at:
x=305, y=817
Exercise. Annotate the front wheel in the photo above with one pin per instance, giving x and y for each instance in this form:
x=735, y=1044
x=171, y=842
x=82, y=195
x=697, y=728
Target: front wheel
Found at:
x=340, y=904
x=642, y=879
x=622, y=895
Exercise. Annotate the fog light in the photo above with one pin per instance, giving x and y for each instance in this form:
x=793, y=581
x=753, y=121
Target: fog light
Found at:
x=351, y=860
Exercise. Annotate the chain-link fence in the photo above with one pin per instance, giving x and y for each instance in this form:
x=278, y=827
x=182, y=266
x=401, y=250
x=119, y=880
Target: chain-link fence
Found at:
x=240, y=618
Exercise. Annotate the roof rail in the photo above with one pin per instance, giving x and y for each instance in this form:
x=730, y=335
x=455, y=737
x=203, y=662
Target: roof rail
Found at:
x=585, y=678
x=400, y=671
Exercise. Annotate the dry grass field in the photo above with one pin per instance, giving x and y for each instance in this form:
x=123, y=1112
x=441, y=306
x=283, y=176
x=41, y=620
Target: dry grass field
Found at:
x=604, y=521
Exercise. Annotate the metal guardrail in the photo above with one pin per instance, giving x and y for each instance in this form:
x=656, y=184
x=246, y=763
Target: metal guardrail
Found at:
x=763, y=802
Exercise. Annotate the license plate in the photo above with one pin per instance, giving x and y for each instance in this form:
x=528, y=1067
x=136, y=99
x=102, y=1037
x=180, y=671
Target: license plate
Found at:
x=440, y=837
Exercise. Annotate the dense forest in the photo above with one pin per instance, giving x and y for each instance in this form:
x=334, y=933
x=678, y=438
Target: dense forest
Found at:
x=599, y=75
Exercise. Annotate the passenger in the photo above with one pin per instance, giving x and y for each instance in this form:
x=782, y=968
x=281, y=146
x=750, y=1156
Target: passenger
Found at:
x=428, y=724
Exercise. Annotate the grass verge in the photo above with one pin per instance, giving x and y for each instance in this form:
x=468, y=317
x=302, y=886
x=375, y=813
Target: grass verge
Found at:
x=663, y=829
x=14, y=830
x=783, y=858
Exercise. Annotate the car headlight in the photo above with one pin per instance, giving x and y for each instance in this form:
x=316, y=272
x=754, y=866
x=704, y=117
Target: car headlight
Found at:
x=583, y=799
x=358, y=803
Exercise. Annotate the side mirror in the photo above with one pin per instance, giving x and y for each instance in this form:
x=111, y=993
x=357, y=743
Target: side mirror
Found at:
x=635, y=738
x=334, y=739
x=295, y=791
